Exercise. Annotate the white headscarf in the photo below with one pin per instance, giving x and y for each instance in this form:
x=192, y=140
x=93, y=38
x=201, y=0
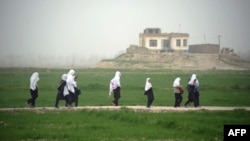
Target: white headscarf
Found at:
x=193, y=76
x=116, y=80
x=71, y=72
x=177, y=82
x=191, y=81
x=196, y=82
x=148, y=84
x=70, y=81
x=33, y=80
x=64, y=77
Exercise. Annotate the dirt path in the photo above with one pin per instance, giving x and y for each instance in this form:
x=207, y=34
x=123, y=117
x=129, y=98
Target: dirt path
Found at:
x=135, y=108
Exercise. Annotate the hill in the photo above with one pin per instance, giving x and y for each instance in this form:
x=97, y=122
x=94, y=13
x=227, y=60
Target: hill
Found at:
x=176, y=61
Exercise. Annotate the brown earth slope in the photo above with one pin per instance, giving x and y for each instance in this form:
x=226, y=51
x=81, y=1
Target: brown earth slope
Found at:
x=176, y=61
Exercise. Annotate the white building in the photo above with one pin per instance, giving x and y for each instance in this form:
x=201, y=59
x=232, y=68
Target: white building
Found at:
x=153, y=39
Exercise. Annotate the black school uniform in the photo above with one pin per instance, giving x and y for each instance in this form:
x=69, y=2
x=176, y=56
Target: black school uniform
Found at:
x=60, y=95
x=150, y=95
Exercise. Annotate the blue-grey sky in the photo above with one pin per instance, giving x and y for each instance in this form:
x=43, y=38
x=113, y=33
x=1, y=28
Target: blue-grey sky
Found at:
x=81, y=32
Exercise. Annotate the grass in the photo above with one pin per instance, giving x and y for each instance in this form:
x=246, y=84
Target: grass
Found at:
x=218, y=88
x=117, y=125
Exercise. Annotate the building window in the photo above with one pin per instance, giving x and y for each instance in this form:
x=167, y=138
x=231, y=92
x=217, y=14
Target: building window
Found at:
x=165, y=43
x=153, y=43
x=178, y=42
x=152, y=31
x=185, y=42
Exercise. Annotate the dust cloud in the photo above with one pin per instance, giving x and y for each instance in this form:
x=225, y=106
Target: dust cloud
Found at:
x=80, y=33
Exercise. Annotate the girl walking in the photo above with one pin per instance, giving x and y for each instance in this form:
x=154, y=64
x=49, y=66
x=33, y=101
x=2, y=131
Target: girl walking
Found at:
x=178, y=91
x=149, y=92
x=61, y=91
x=33, y=90
x=191, y=91
x=116, y=86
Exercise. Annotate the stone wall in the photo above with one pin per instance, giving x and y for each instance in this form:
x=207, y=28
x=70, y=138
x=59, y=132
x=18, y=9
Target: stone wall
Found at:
x=205, y=48
x=199, y=48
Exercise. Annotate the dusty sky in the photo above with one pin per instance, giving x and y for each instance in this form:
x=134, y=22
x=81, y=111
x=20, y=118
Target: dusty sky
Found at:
x=74, y=33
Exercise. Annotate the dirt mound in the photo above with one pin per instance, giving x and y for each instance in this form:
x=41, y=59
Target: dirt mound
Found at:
x=174, y=61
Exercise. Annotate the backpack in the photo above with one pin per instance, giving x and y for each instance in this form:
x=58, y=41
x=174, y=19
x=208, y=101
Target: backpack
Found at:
x=181, y=90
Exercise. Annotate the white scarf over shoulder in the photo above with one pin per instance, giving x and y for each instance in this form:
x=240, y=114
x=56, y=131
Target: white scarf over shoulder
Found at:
x=148, y=84
x=33, y=80
x=71, y=83
x=114, y=82
x=65, y=89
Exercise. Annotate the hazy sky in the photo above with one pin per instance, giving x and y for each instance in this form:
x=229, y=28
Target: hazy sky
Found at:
x=80, y=32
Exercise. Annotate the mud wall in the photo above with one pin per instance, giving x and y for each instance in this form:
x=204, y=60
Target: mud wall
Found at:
x=204, y=48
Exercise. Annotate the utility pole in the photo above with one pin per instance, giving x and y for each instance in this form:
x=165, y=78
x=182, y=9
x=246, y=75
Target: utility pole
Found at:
x=219, y=39
x=205, y=40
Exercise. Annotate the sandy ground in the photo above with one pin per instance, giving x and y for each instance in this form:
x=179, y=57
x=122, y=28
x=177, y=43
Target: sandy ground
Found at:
x=174, y=61
x=135, y=108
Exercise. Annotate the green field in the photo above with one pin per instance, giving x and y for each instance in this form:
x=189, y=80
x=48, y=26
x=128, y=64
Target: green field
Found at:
x=218, y=88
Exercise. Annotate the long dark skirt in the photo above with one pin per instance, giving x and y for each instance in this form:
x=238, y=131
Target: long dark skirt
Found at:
x=197, y=97
x=72, y=98
x=34, y=95
x=117, y=96
x=59, y=97
x=150, y=95
x=178, y=99
x=191, y=96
